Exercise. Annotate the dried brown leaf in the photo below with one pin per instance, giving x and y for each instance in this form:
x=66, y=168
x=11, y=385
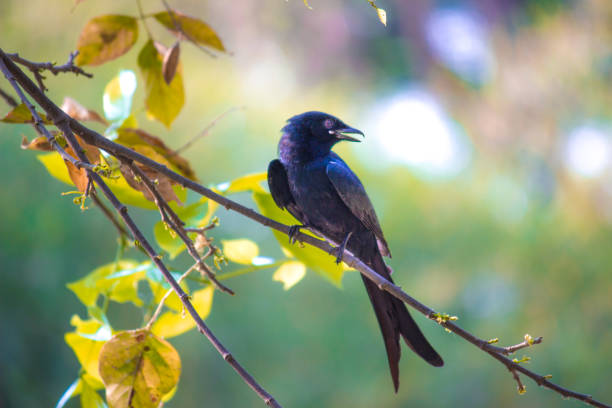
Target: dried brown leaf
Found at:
x=134, y=137
x=79, y=176
x=162, y=183
x=39, y=143
x=77, y=111
x=170, y=63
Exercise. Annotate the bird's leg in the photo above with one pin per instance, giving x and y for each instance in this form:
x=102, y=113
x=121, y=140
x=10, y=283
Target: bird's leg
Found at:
x=342, y=247
x=294, y=230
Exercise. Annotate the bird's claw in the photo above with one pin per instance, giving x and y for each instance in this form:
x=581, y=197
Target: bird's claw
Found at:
x=340, y=250
x=294, y=230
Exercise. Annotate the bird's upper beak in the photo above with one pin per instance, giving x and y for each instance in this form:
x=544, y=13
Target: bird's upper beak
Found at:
x=341, y=134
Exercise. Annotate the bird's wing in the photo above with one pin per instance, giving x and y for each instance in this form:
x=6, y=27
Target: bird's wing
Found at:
x=279, y=188
x=353, y=194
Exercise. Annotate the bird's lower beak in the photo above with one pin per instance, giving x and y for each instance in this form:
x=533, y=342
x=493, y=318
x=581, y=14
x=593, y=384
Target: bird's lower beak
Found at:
x=341, y=134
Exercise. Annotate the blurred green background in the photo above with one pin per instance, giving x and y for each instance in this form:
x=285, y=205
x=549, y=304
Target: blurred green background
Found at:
x=488, y=157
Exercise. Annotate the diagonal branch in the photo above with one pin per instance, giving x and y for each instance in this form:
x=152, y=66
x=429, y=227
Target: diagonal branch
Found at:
x=94, y=138
x=62, y=121
x=176, y=224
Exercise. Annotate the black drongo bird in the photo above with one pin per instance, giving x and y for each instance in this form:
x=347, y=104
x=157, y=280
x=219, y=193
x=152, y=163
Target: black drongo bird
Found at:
x=317, y=187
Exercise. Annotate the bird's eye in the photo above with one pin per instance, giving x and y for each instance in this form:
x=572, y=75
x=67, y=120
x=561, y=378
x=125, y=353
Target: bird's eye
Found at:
x=329, y=123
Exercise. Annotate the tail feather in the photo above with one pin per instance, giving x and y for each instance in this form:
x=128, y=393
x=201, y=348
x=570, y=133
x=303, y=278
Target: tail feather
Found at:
x=395, y=320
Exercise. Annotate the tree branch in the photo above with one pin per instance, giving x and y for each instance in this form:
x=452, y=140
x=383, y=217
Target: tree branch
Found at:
x=38, y=67
x=176, y=224
x=61, y=120
x=98, y=140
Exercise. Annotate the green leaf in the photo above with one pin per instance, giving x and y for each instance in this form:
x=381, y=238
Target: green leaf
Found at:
x=241, y=251
x=138, y=369
x=21, y=114
x=192, y=215
x=118, y=94
x=163, y=101
x=196, y=30
x=171, y=323
x=106, y=280
x=290, y=273
x=313, y=258
x=105, y=38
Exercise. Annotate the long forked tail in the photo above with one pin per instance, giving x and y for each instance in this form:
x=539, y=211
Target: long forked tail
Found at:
x=394, y=319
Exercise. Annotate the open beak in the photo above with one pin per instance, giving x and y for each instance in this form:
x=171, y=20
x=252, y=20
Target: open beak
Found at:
x=343, y=134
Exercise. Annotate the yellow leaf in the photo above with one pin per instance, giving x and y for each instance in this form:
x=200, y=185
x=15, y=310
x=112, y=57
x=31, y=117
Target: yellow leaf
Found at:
x=241, y=251
x=108, y=279
x=21, y=114
x=54, y=164
x=290, y=273
x=382, y=15
x=138, y=369
x=163, y=101
x=250, y=182
x=196, y=30
x=86, y=349
x=105, y=38
x=89, y=397
x=171, y=324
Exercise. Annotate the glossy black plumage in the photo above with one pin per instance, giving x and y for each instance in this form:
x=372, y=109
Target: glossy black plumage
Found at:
x=319, y=189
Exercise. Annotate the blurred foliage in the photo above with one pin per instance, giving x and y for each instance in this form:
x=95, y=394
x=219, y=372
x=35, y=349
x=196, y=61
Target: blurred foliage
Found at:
x=516, y=242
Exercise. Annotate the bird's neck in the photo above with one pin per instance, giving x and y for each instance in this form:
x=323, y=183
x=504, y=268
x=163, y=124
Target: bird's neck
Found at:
x=297, y=150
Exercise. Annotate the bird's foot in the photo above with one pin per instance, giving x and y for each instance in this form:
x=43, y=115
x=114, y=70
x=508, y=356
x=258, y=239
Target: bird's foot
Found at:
x=340, y=250
x=294, y=230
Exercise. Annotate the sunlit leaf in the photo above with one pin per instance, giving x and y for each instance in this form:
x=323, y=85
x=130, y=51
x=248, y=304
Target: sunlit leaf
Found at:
x=382, y=14
x=105, y=280
x=163, y=101
x=21, y=114
x=290, y=273
x=250, y=182
x=85, y=349
x=313, y=258
x=196, y=30
x=171, y=323
x=39, y=143
x=241, y=251
x=138, y=369
x=90, y=398
x=81, y=113
x=105, y=38
x=118, y=93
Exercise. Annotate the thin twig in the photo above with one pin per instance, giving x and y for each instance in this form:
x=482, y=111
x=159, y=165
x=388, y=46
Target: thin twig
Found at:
x=160, y=306
x=38, y=67
x=206, y=130
x=98, y=140
x=170, y=218
x=109, y=214
x=142, y=18
x=62, y=121
x=8, y=99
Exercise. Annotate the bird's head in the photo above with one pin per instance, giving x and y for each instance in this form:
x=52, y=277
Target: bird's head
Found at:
x=313, y=134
